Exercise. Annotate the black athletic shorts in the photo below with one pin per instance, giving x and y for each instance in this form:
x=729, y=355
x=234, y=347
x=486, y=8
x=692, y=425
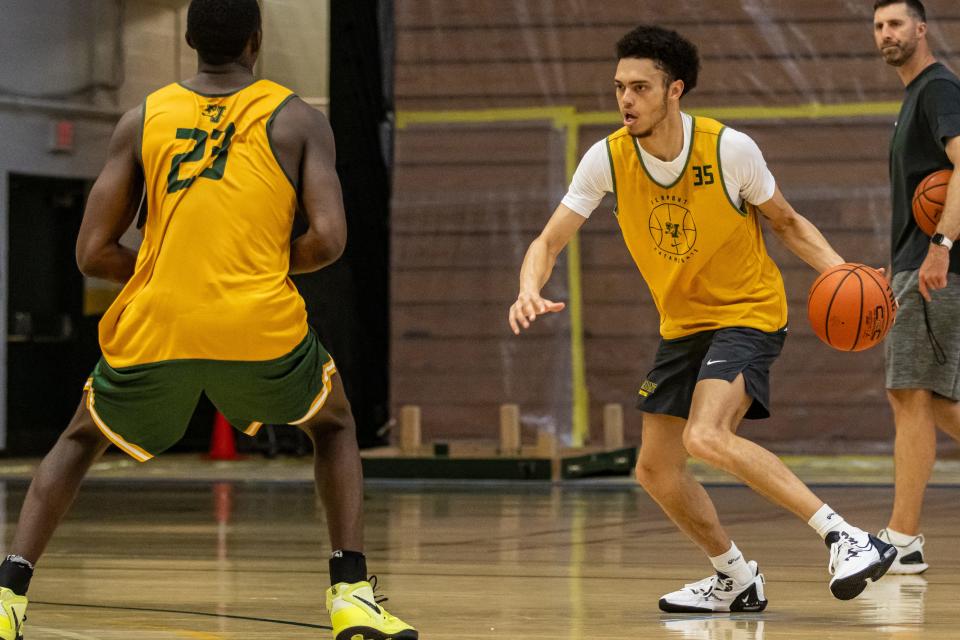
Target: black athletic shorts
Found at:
x=719, y=354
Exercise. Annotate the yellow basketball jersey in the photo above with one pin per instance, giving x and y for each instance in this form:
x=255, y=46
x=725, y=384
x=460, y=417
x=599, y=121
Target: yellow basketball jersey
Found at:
x=211, y=278
x=702, y=257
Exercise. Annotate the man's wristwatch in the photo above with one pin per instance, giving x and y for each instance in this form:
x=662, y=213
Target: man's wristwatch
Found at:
x=942, y=240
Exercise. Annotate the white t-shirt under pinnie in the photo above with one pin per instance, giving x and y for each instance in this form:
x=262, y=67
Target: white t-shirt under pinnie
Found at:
x=745, y=172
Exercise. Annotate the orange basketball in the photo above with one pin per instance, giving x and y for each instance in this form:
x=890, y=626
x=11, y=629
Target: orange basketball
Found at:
x=928, y=199
x=851, y=307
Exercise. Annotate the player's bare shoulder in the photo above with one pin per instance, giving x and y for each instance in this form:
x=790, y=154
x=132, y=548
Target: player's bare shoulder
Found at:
x=128, y=134
x=294, y=126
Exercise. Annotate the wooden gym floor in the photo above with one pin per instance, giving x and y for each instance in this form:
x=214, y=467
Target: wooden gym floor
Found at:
x=168, y=557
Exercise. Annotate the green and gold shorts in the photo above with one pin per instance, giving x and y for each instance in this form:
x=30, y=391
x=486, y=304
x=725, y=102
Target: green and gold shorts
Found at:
x=145, y=409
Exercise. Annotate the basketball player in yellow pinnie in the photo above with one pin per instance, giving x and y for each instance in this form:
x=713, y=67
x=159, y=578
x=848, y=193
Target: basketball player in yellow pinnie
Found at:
x=208, y=305
x=689, y=195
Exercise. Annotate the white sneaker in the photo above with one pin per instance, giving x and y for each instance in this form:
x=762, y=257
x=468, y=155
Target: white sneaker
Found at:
x=718, y=593
x=910, y=558
x=856, y=559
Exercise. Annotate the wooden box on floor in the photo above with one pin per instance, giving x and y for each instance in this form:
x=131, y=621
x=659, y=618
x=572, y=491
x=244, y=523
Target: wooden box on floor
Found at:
x=506, y=459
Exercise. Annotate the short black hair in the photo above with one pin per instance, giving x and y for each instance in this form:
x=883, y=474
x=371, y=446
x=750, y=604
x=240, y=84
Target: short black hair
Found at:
x=673, y=54
x=220, y=29
x=913, y=6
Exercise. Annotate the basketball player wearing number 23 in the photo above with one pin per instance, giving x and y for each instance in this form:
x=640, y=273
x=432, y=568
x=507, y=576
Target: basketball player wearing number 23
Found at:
x=208, y=306
x=689, y=192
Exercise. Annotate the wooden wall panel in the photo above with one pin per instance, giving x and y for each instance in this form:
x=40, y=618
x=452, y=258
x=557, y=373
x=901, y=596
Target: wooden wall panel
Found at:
x=468, y=199
x=600, y=249
x=426, y=14
x=504, y=53
x=735, y=81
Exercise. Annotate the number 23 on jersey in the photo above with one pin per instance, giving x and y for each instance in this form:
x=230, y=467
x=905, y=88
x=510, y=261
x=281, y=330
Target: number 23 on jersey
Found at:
x=220, y=155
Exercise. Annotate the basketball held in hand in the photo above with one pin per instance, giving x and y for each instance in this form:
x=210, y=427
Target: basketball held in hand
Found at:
x=851, y=307
x=928, y=199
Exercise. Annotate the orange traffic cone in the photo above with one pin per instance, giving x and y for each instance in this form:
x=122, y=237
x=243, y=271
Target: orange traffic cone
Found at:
x=222, y=444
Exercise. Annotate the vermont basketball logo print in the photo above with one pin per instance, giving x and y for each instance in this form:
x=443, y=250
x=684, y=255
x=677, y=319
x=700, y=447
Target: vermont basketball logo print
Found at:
x=673, y=228
x=214, y=112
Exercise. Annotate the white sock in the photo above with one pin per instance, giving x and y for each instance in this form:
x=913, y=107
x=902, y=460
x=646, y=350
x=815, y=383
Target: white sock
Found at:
x=733, y=564
x=899, y=539
x=826, y=520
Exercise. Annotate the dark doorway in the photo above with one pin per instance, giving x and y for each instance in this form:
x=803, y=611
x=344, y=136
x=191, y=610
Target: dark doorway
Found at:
x=349, y=302
x=51, y=346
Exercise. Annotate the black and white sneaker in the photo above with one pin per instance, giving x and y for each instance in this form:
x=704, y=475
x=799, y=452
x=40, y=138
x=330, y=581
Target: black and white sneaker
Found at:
x=854, y=559
x=718, y=593
x=910, y=558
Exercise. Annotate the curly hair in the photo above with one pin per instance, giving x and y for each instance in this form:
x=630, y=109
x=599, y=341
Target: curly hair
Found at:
x=915, y=7
x=220, y=29
x=672, y=53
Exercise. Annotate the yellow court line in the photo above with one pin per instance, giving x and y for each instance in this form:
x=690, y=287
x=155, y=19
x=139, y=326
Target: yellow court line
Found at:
x=580, y=418
x=569, y=120
x=560, y=116
x=810, y=111
x=567, y=116
x=59, y=633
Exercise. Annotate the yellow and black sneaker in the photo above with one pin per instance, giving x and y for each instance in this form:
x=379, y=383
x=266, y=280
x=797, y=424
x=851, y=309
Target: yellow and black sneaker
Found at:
x=357, y=614
x=13, y=613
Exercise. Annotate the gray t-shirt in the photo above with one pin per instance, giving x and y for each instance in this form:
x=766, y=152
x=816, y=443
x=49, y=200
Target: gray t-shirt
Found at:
x=929, y=117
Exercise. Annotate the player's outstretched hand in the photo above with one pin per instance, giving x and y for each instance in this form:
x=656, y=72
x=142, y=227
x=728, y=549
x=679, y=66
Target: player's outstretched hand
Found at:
x=527, y=307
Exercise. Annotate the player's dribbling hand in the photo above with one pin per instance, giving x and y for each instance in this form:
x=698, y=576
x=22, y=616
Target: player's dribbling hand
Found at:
x=526, y=309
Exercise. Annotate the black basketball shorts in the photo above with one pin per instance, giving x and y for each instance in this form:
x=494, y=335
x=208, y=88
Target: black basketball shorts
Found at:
x=721, y=354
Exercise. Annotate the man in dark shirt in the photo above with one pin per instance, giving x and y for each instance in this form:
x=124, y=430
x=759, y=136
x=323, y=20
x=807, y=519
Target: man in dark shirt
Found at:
x=923, y=349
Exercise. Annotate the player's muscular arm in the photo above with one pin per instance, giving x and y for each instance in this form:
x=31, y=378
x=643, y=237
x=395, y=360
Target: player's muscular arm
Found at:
x=950, y=219
x=933, y=271
x=538, y=265
x=112, y=205
x=305, y=145
x=798, y=233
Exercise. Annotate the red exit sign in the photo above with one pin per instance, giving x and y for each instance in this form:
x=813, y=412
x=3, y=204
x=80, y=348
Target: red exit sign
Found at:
x=62, y=136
